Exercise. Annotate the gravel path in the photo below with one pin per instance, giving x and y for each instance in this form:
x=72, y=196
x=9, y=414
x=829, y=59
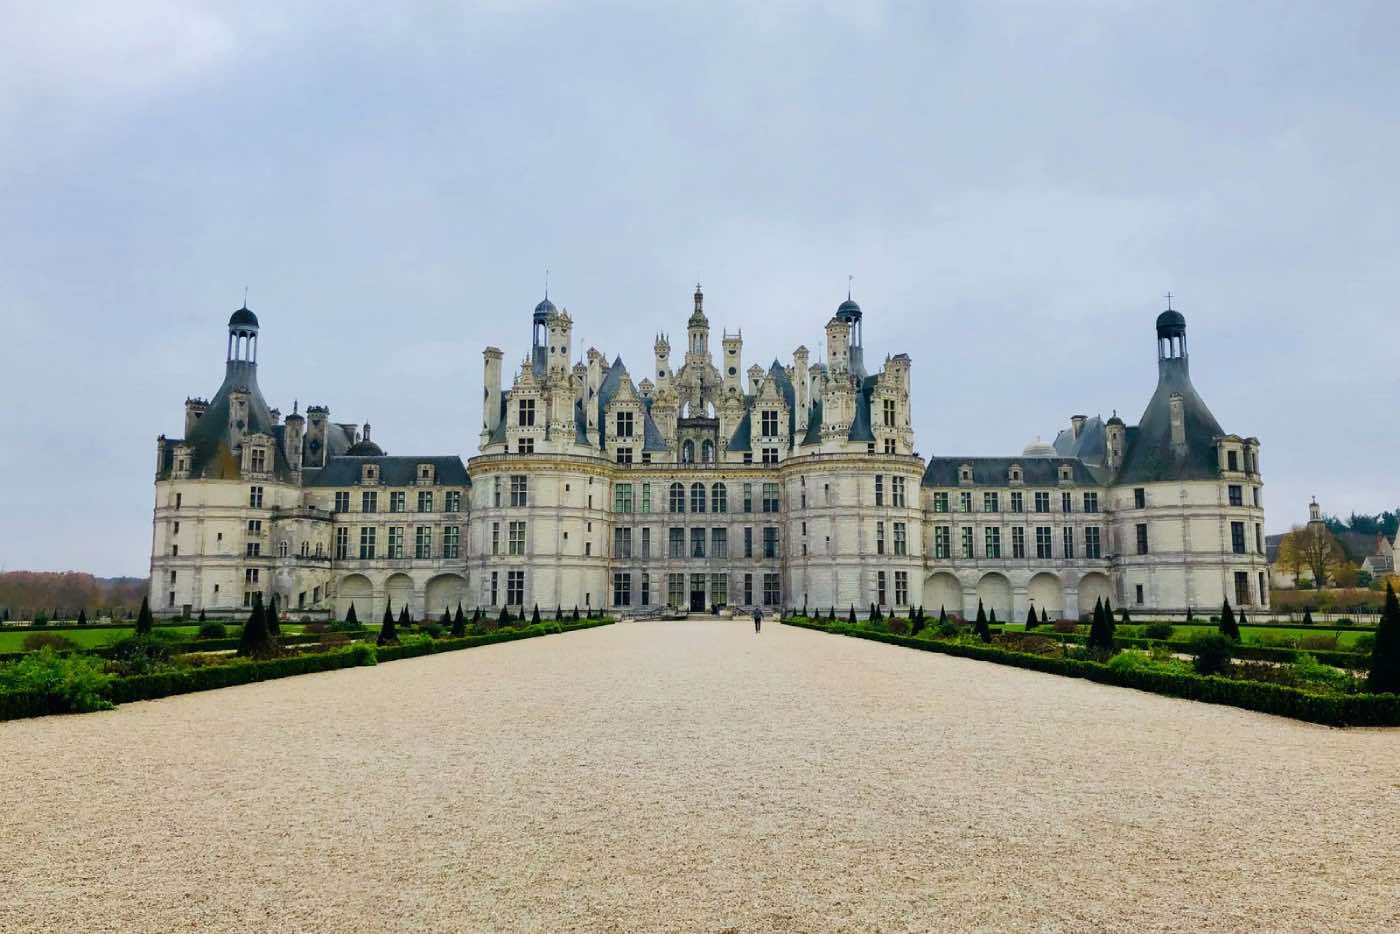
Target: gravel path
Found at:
x=692, y=776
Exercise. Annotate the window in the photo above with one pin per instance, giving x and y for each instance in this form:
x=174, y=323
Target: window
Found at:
x=247, y=597
x=452, y=541
x=1263, y=588
x=748, y=497
x=770, y=497
x=624, y=455
x=622, y=497
x=940, y=502
x=367, y=543
x=879, y=490
x=1069, y=541
x=697, y=497
x=254, y=549
x=901, y=588
x=675, y=590
x=964, y=502
x=1232, y=462
x=770, y=424
x=250, y=576
x=748, y=588
x=1018, y=542
x=1142, y=538
x=748, y=541
x=880, y=588
x=624, y=424
x=1018, y=501
x=369, y=501
x=967, y=542
x=1138, y=594
x=697, y=543
x=770, y=541
x=719, y=498
x=943, y=542
x=1237, y=537
x=1092, y=545
x=423, y=542
x=719, y=543
x=622, y=589
x=1236, y=495
x=897, y=489
x=676, y=502
x=646, y=497
x=622, y=542
x=990, y=502
x=519, y=489
x=1091, y=502
x=397, y=501
x=425, y=500
x=993, y=542
x=255, y=498
x=515, y=544
x=888, y=408
x=1066, y=502
x=772, y=593
x=525, y=446
x=719, y=589
x=258, y=460
x=395, y=542
x=496, y=493
x=425, y=472
x=1140, y=498
x=342, y=543
x=676, y=543
x=1042, y=502
x=688, y=452
x=901, y=539
x=527, y=413
x=452, y=501
x=879, y=538
x=180, y=498
x=889, y=446
x=770, y=455
x=1256, y=497
x=1242, y=588
x=254, y=526
x=1043, y=542
x=1259, y=538
x=646, y=589
x=495, y=587
x=515, y=588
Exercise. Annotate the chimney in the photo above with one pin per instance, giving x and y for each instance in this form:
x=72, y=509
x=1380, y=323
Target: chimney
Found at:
x=295, y=428
x=318, y=418
x=1076, y=424
x=1176, y=405
x=194, y=411
x=491, y=404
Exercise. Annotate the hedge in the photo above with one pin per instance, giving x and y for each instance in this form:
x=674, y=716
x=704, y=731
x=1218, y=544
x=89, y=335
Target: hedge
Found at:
x=1356, y=661
x=1338, y=710
x=17, y=704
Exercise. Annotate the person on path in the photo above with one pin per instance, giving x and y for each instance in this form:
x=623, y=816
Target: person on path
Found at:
x=757, y=619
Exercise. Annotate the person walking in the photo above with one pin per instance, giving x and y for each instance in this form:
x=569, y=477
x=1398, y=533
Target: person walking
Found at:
x=757, y=619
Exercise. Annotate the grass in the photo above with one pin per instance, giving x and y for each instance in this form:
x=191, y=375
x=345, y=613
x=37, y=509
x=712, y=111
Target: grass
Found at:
x=1250, y=635
x=96, y=638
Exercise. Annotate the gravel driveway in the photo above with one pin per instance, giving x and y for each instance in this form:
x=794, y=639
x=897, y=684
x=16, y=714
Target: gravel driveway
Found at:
x=694, y=776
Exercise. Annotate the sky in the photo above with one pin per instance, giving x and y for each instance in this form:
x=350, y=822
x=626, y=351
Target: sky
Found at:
x=1013, y=186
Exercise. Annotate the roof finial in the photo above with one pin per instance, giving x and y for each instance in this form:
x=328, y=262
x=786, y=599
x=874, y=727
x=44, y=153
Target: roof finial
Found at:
x=245, y=296
x=294, y=406
x=1169, y=301
x=849, y=280
x=546, y=284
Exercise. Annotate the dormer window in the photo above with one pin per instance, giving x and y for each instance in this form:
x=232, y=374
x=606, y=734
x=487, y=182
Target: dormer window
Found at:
x=425, y=473
x=257, y=460
x=1015, y=473
x=527, y=413
x=1232, y=460
x=965, y=474
x=770, y=424
x=624, y=424
x=1065, y=472
x=371, y=473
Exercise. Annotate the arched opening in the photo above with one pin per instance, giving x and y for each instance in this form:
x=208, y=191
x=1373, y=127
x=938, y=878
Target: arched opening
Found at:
x=355, y=589
x=676, y=498
x=719, y=498
x=688, y=452
x=1093, y=587
x=707, y=452
x=994, y=590
x=943, y=591
x=1045, y=592
x=697, y=497
x=444, y=592
x=399, y=589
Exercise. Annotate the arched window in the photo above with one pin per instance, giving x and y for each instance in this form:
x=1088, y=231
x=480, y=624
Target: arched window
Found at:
x=305, y=549
x=688, y=452
x=719, y=498
x=707, y=452
x=320, y=550
x=282, y=549
x=677, y=498
x=697, y=497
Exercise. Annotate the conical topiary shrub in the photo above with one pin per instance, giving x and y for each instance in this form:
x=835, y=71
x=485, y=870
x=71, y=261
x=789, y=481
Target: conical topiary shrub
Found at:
x=256, y=641
x=1030, y=619
x=1125, y=619
x=983, y=631
x=144, y=621
x=851, y=619
x=1044, y=620
x=575, y=612
x=405, y=617
x=388, y=634
x=271, y=617
x=504, y=618
x=1243, y=620
x=535, y=616
x=1228, y=627
x=1385, y=654
x=82, y=617
x=1101, y=629
x=350, y=618
x=1307, y=614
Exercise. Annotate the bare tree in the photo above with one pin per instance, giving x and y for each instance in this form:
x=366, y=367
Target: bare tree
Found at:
x=1314, y=548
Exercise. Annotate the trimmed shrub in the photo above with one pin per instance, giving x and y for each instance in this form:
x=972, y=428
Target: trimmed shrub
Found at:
x=535, y=616
x=351, y=619
x=1385, y=657
x=144, y=620
x=1211, y=653
x=1066, y=625
x=1101, y=630
x=256, y=641
x=213, y=631
x=82, y=617
x=1307, y=616
x=270, y=615
x=1228, y=627
x=459, y=623
x=1159, y=631
x=983, y=631
x=388, y=635
x=48, y=640
x=1030, y=619
x=364, y=654
x=53, y=683
x=433, y=630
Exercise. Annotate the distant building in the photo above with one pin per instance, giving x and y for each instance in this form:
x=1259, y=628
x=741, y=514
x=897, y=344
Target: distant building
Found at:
x=708, y=484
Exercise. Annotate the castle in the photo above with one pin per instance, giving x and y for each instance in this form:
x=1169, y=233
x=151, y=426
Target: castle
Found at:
x=709, y=485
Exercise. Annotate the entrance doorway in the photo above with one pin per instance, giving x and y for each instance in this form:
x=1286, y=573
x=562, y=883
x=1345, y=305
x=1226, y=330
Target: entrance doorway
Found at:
x=697, y=593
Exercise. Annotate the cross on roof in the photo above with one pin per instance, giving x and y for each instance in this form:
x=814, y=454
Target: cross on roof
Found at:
x=1169, y=301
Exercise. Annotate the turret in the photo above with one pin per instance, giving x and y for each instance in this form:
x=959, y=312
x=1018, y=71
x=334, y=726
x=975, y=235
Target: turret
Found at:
x=318, y=421
x=663, y=360
x=733, y=364
x=560, y=341
x=194, y=411
x=238, y=416
x=491, y=403
x=1114, y=434
x=838, y=346
x=801, y=387
x=295, y=428
x=539, y=334
x=698, y=330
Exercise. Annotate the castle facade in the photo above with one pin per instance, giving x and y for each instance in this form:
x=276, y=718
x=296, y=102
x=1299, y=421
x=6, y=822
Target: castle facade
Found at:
x=705, y=485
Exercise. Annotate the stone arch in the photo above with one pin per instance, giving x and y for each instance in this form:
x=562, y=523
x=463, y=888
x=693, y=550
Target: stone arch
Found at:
x=399, y=589
x=994, y=590
x=688, y=452
x=444, y=592
x=707, y=452
x=1093, y=587
x=356, y=589
x=943, y=591
x=1046, y=592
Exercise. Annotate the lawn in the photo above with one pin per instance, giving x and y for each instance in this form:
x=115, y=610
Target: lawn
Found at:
x=94, y=638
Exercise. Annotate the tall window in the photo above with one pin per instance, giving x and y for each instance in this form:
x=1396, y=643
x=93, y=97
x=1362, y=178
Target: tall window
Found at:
x=770, y=541
x=1232, y=460
x=1242, y=588
x=675, y=590
x=367, y=542
x=879, y=538
x=676, y=543
x=772, y=591
x=646, y=542
x=342, y=543
x=993, y=542
x=1092, y=545
x=258, y=460
x=697, y=497
x=369, y=501
x=425, y=500
x=748, y=588
x=879, y=490
x=622, y=589
x=452, y=541
x=897, y=490
x=719, y=543
x=1236, y=495
x=964, y=501
x=697, y=543
x=1066, y=502
x=889, y=413
x=1069, y=541
x=423, y=542
x=880, y=587
x=940, y=502
x=1018, y=542
x=901, y=588
x=770, y=497
x=396, y=500
x=719, y=498
x=719, y=589
x=527, y=413
x=495, y=588
x=622, y=497
x=515, y=543
x=748, y=541
x=622, y=542
x=1018, y=501
x=967, y=542
x=255, y=498
x=1142, y=538
x=770, y=455
x=395, y=544
x=770, y=424
x=942, y=542
x=1237, y=537
x=453, y=501
x=901, y=539
x=991, y=502
x=624, y=424
x=519, y=489
x=1044, y=547
x=646, y=497
x=748, y=497
x=624, y=455
x=1042, y=501
x=1091, y=501
x=1140, y=498
x=515, y=588
x=676, y=501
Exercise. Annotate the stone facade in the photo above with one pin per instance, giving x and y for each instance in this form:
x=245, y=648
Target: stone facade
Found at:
x=705, y=484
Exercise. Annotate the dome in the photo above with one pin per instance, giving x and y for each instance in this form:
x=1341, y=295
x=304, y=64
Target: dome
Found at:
x=1171, y=320
x=243, y=318
x=1038, y=448
x=364, y=448
x=545, y=307
x=848, y=311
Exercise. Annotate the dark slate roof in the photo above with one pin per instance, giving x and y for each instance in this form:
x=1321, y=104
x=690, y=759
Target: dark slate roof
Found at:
x=364, y=448
x=1091, y=445
x=243, y=318
x=785, y=386
x=743, y=434
x=393, y=471
x=612, y=381
x=212, y=456
x=814, y=424
x=860, y=425
x=498, y=434
x=652, y=439
x=995, y=471
x=1149, y=455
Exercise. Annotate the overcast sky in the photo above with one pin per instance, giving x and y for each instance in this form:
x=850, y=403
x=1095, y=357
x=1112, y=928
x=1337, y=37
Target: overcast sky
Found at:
x=1013, y=186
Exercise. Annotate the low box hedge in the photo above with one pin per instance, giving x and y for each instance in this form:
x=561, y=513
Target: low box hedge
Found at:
x=1356, y=661
x=1336, y=710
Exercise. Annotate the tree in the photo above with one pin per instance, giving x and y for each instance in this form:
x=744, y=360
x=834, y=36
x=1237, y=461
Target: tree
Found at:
x=852, y=618
x=82, y=617
x=1311, y=548
x=942, y=616
x=271, y=617
x=1244, y=620
x=1101, y=629
x=459, y=623
x=256, y=641
x=1307, y=615
x=405, y=618
x=388, y=635
x=1346, y=574
x=1385, y=654
x=447, y=616
x=1189, y=615
x=983, y=631
x=535, y=616
x=1228, y=627
x=1108, y=608
x=350, y=618
x=1124, y=618
x=1030, y=619
x=202, y=618
x=992, y=617
x=504, y=618
x=144, y=620
x=1044, y=620
x=575, y=612
x=558, y=613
